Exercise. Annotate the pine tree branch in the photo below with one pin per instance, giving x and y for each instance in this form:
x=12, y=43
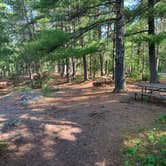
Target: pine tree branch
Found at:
x=135, y=33
x=81, y=31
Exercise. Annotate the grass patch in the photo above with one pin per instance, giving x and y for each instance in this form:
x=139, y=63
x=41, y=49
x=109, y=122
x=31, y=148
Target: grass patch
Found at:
x=161, y=119
x=26, y=88
x=77, y=80
x=46, y=89
x=3, y=148
x=162, y=76
x=146, y=148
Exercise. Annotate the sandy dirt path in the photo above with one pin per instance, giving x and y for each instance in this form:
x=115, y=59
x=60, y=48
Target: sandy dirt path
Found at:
x=79, y=125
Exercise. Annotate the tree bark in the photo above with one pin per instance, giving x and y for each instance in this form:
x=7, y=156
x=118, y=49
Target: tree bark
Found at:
x=106, y=67
x=94, y=68
x=59, y=67
x=102, y=63
x=62, y=69
x=152, y=52
x=143, y=63
x=101, y=53
x=84, y=62
x=67, y=70
x=119, y=58
x=113, y=55
x=73, y=67
x=90, y=66
x=85, y=68
x=157, y=57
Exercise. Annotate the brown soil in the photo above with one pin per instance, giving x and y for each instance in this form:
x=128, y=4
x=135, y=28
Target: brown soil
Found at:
x=80, y=125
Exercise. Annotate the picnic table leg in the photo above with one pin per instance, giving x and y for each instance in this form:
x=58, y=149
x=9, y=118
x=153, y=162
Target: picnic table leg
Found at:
x=142, y=94
x=135, y=96
x=151, y=91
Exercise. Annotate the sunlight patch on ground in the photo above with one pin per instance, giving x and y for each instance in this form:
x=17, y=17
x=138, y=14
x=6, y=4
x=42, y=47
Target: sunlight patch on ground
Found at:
x=101, y=163
x=2, y=119
x=30, y=117
x=47, y=147
x=17, y=140
x=65, y=132
x=23, y=149
x=24, y=116
x=17, y=132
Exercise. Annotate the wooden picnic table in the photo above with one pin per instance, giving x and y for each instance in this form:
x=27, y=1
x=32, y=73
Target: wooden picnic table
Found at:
x=152, y=87
x=147, y=89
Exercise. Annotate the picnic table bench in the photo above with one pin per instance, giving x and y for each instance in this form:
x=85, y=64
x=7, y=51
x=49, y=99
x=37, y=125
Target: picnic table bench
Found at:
x=151, y=90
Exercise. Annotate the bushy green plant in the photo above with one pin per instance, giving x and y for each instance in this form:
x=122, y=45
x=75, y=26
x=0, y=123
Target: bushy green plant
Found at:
x=26, y=88
x=150, y=151
x=161, y=119
x=46, y=89
x=3, y=147
x=135, y=75
x=146, y=77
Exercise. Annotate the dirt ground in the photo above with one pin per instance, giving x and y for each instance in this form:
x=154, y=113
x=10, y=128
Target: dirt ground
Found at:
x=79, y=125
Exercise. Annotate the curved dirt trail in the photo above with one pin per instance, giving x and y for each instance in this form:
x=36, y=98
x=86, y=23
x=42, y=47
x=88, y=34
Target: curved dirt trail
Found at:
x=78, y=126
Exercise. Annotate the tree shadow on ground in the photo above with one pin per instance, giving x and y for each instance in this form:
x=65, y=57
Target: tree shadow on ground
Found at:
x=70, y=130
x=49, y=138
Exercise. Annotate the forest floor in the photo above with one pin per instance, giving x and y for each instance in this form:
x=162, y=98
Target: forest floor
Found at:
x=75, y=125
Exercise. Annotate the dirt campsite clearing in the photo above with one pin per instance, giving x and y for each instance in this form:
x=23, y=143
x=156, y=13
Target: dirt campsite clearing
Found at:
x=75, y=125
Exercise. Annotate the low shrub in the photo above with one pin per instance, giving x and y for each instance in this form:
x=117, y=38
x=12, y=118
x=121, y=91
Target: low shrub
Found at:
x=46, y=89
x=3, y=148
x=161, y=119
x=147, y=148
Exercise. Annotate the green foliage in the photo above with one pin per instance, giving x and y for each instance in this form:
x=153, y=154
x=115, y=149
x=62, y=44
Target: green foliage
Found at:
x=146, y=76
x=3, y=147
x=48, y=41
x=62, y=53
x=158, y=38
x=147, y=154
x=160, y=9
x=46, y=90
x=26, y=89
x=148, y=148
x=45, y=32
x=161, y=119
x=44, y=4
x=135, y=75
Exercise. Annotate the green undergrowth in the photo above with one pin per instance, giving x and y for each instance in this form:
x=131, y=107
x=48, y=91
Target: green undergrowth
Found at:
x=147, y=147
x=161, y=119
x=46, y=90
x=3, y=148
x=77, y=80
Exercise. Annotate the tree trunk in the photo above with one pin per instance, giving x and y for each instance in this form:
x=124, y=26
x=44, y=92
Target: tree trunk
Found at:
x=73, y=67
x=85, y=68
x=143, y=63
x=102, y=63
x=152, y=52
x=119, y=58
x=106, y=67
x=113, y=56
x=59, y=67
x=101, y=54
x=158, y=57
x=90, y=66
x=94, y=68
x=67, y=70
x=84, y=62
x=62, y=69
x=30, y=75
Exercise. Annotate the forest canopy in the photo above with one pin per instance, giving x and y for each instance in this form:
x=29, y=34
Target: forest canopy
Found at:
x=89, y=38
